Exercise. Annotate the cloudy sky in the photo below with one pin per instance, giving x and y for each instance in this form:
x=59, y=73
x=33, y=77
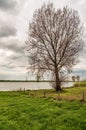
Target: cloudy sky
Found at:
x=14, y=18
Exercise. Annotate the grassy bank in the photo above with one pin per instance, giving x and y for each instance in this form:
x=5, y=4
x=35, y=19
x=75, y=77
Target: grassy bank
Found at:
x=26, y=111
x=73, y=93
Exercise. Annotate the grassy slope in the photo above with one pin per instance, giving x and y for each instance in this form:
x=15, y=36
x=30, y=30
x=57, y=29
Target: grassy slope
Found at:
x=18, y=111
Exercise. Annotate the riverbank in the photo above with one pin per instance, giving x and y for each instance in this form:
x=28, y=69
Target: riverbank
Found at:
x=71, y=93
x=31, y=110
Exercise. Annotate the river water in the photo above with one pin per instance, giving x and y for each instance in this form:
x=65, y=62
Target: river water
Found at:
x=14, y=86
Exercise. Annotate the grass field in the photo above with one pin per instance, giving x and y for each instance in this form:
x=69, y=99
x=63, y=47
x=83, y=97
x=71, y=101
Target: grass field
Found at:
x=41, y=110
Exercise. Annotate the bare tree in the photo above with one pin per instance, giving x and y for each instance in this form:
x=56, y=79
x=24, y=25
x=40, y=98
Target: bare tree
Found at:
x=78, y=78
x=54, y=41
x=73, y=78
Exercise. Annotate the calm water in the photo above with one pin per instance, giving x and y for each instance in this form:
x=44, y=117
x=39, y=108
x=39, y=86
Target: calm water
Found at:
x=10, y=86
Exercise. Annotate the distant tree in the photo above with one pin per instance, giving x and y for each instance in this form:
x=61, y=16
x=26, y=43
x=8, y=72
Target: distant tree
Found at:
x=74, y=78
x=78, y=78
x=54, y=41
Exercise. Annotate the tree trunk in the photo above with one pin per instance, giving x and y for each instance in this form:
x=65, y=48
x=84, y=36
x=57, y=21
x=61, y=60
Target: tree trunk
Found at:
x=57, y=81
x=58, y=85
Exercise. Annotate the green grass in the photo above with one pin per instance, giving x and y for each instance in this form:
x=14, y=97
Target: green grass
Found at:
x=30, y=111
x=80, y=84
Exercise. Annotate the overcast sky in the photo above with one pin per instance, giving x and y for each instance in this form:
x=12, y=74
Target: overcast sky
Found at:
x=14, y=19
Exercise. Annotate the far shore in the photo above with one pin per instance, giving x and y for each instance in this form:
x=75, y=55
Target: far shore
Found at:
x=35, y=81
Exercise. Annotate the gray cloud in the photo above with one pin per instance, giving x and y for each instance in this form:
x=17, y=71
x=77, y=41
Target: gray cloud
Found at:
x=14, y=62
x=15, y=48
x=7, y=4
x=12, y=54
x=19, y=63
x=6, y=31
x=13, y=45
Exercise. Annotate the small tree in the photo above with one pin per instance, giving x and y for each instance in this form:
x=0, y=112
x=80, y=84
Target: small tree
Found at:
x=54, y=41
x=78, y=78
x=73, y=78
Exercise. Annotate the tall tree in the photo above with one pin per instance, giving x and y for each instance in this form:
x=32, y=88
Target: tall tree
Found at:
x=54, y=41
